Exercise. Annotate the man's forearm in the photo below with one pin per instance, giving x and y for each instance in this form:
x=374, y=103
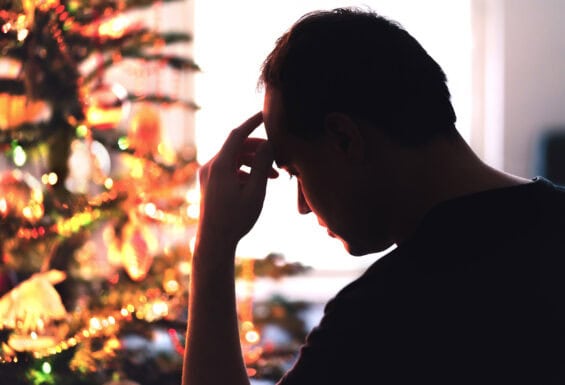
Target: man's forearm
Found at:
x=213, y=351
x=231, y=203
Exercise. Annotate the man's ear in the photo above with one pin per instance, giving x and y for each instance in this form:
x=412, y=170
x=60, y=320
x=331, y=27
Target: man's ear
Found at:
x=345, y=134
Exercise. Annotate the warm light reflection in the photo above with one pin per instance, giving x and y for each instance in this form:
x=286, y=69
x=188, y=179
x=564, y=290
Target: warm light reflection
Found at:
x=114, y=28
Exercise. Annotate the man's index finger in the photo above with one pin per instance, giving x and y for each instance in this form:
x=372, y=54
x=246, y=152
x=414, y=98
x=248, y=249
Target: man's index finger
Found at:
x=238, y=135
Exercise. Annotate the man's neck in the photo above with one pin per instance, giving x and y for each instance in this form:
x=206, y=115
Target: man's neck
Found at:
x=441, y=171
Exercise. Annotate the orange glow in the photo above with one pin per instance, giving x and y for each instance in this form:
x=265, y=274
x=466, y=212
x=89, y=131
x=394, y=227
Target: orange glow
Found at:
x=104, y=118
x=18, y=109
x=114, y=28
x=3, y=206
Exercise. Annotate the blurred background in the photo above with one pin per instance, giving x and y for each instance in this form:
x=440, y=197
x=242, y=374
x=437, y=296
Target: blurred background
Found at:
x=108, y=108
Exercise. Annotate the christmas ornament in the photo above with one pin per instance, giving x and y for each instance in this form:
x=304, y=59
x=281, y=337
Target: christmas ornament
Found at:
x=9, y=68
x=89, y=166
x=93, y=257
x=144, y=133
x=114, y=28
x=138, y=247
x=30, y=309
x=47, y=338
x=19, y=109
x=21, y=196
x=107, y=106
x=32, y=302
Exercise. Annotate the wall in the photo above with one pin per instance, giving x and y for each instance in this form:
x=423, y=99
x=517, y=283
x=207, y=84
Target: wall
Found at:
x=520, y=85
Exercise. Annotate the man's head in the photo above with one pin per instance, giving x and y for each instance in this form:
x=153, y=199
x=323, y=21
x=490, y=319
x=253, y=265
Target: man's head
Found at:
x=361, y=64
x=351, y=99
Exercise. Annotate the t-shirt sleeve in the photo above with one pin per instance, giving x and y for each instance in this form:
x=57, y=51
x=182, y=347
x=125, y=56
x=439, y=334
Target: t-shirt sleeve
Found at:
x=350, y=345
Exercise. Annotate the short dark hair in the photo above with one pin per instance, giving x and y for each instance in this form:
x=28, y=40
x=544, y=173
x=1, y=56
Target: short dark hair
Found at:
x=356, y=62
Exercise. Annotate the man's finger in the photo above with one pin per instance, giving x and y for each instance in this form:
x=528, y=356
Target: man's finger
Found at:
x=238, y=135
x=261, y=168
x=248, y=160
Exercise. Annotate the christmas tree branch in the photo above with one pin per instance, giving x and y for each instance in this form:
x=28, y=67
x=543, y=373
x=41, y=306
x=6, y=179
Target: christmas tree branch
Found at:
x=164, y=100
x=12, y=86
x=86, y=12
x=28, y=134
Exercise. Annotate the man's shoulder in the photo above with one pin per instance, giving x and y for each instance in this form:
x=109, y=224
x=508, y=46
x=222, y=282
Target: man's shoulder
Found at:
x=481, y=244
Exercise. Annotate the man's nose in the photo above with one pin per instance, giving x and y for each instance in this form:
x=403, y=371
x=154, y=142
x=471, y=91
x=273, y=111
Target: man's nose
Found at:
x=303, y=207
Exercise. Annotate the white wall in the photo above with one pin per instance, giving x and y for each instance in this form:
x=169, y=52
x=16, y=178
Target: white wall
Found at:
x=522, y=45
x=534, y=77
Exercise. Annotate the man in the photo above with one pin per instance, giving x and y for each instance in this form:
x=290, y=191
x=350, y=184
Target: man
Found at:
x=360, y=114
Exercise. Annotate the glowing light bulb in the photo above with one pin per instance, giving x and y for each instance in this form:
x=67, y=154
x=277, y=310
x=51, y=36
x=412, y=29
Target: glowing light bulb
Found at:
x=193, y=211
x=150, y=209
x=82, y=130
x=52, y=178
x=252, y=336
x=19, y=156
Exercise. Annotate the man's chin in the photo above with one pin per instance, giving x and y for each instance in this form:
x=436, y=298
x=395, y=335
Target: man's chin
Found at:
x=351, y=248
x=358, y=250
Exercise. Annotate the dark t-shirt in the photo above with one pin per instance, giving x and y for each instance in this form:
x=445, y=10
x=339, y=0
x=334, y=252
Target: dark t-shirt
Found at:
x=476, y=296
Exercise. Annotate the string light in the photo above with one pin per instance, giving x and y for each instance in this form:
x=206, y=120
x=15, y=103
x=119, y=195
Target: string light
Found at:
x=46, y=368
x=114, y=28
x=82, y=131
x=19, y=155
x=123, y=143
x=109, y=183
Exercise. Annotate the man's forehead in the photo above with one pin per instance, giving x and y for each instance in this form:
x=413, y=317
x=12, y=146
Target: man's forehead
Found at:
x=280, y=150
x=275, y=127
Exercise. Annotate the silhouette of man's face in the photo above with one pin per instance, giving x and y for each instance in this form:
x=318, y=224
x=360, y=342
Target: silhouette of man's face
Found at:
x=321, y=189
x=330, y=186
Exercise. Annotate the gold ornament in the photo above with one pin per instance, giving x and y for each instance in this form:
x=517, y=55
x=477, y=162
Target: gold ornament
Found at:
x=138, y=247
x=30, y=309
x=10, y=68
x=93, y=257
x=107, y=106
x=145, y=130
x=21, y=196
x=47, y=338
x=19, y=109
x=89, y=166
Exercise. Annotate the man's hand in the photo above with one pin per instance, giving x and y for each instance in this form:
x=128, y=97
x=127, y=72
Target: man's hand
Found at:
x=231, y=202
x=232, y=199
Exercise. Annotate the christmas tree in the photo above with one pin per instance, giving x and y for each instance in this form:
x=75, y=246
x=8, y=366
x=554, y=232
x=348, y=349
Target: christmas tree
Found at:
x=97, y=208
